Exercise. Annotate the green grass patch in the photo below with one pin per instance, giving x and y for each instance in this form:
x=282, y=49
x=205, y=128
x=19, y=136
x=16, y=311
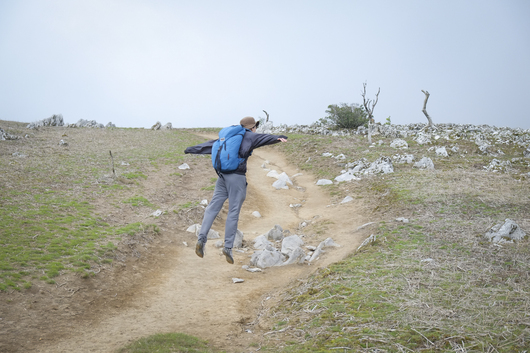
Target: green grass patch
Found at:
x=134, y=175
x=139, y=201
x=169, y=343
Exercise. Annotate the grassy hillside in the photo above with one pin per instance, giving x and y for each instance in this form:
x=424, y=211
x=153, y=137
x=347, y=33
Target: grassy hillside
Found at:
x=55, y=197
x=432, y=284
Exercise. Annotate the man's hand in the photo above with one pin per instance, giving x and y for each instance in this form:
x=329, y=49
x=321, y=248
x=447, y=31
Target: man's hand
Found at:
x=282, y=139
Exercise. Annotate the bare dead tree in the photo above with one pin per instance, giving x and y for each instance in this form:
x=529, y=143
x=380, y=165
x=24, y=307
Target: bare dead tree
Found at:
x=369, y=106
x=267, y=116
x=424, y=110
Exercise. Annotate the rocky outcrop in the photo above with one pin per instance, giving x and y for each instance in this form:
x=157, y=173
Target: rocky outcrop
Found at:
x=54, y=120
x=7, y=136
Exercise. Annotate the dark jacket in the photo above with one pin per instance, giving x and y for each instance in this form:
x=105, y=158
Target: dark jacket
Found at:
x=251, y=141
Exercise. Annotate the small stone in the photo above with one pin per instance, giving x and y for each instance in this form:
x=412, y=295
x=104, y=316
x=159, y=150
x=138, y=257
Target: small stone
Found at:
x=324, y=182
x=184, y=166
x=157, y=213
x=237, y=280
x=347, y=199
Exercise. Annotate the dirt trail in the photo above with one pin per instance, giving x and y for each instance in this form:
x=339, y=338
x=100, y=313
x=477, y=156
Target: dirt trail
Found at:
x=197, y=296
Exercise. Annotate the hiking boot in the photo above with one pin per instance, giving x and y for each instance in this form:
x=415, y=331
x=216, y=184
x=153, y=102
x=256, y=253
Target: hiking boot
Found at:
x=228, y=254
x=199, y=248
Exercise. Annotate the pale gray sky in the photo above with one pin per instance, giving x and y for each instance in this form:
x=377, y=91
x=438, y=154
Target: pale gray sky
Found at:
x=209, y=63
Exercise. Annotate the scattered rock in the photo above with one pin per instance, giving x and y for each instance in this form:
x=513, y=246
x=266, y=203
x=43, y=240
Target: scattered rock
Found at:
x=324, y=182
x=372, y=238
x=401, y=159
x=238, y=280
x=399, y=143
x=402, y=219
x=506, y=232
x=256, y=214
x=193, y=228
x=157, y=126
x=442, y=152
x=498, y=166
x=86, y=123
x=347, y=176
x=267, y=257
x=238, y=240
x=347, y=199
x=157, y=213
x=423, y=139
x=184, y=166
x=7, y=136
x=261, y=242
x=212, y=234
x=296, y=256
x=251, y=269
x=424, y=163
x=382, y=165
x=320, y=248
x=290, y=243
x=275, y=233
x=168, y=126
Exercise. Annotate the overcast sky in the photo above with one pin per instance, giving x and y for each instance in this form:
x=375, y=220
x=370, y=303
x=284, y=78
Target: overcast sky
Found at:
x=210, y=63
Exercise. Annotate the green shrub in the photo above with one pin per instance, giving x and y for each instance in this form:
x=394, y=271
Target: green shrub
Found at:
x=346, y=116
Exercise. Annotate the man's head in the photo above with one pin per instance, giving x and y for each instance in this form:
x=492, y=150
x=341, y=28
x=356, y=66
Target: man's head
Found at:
x=249, y=123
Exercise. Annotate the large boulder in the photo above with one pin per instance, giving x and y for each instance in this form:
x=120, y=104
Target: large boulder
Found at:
x=290, y=243
x=267, y=257
x=506, y=232
x=261, y=242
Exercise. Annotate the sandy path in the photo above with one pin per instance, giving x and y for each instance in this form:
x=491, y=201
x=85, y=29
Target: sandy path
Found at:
x=197, y=296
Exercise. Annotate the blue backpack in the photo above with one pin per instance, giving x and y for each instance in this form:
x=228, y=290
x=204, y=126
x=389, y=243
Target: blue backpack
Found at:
x=225, y=151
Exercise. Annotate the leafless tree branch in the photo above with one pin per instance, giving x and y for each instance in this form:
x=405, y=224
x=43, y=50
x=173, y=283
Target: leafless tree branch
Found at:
x=424, y=110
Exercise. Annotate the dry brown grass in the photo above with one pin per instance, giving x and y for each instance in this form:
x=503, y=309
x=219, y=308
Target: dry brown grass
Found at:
x=433, y=284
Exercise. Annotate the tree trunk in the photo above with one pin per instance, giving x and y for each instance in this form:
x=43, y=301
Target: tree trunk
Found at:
x=369, y=106
x=424, y=110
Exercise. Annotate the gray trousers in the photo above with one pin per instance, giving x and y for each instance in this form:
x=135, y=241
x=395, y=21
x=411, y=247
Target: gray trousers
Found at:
x=234, y=188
